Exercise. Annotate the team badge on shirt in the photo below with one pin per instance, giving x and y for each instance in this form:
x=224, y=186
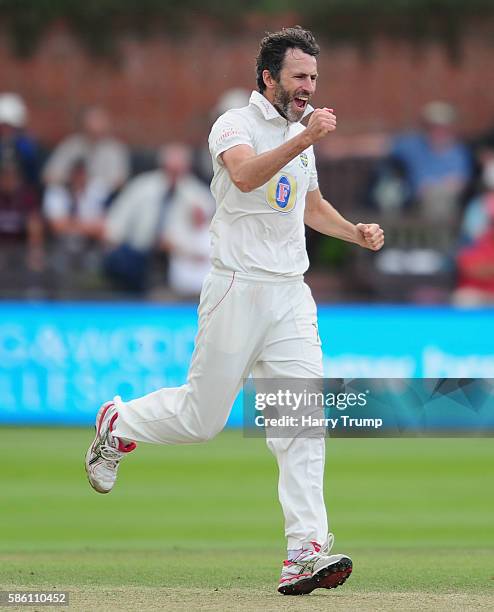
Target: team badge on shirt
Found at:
x=304, y=158
x=282, y=192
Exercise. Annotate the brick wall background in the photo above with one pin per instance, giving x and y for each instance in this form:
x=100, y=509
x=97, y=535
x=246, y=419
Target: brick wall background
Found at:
x=163, y=89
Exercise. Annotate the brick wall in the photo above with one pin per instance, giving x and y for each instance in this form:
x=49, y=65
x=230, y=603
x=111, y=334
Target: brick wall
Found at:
x=162, y=89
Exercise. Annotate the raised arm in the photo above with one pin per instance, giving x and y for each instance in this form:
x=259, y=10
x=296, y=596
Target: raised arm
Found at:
x=249, y=170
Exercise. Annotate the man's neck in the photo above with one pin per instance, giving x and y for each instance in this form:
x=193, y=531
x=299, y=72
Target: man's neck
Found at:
x=281, y=113
x=270, y=99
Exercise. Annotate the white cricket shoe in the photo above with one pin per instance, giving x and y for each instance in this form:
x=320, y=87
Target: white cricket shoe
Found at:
x=314, y=568
x=106, y=451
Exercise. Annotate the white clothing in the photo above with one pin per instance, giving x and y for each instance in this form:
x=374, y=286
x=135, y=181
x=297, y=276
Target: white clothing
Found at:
x=260, y=232
x=269, y=329
x=139, y=216
x=255, y=315
x=59, y=203
x=107, y=160
x=186, y=273
x=187, y=233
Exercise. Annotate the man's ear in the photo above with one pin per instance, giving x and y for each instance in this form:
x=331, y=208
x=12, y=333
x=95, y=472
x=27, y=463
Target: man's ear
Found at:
x=268, y=79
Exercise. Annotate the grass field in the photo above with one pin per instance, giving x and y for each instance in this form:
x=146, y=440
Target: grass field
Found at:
x=200, y=526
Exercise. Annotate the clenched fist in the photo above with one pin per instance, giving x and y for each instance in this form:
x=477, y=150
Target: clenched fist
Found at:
x=321, y=123
x=370, y=236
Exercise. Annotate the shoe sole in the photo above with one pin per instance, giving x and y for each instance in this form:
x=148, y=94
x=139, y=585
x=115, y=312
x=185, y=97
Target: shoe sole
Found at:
x=99, y=417
x=329, y=577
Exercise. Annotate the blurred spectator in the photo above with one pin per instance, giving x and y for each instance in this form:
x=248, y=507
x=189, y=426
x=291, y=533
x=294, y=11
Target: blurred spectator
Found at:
x=476, y=258
x=429, y=167
x=137, y=223
x=20, y=220
x=15, y=144
x=478, y=211
x=186, y=235
x=476, y=272
x=75, y=214
x=76, y=208
x=389, y=189
x=106, y=158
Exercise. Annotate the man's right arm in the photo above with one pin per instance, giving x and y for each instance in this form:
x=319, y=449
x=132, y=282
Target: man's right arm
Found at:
x=249, y=170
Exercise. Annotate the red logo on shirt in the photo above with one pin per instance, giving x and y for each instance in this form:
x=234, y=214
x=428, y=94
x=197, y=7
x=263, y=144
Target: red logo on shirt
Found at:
x=283, y=192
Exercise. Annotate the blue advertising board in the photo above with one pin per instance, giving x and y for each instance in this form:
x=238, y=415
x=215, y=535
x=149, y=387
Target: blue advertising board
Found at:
x=59, y=362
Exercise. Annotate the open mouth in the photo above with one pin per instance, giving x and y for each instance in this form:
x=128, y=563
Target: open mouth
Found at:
x=300, y=103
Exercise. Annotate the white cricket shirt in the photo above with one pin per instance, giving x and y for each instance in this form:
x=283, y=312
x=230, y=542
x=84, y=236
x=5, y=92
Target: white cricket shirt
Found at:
x=261, y=232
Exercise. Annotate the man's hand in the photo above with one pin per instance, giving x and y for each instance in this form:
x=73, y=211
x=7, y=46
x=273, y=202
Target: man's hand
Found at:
x=370, y=236
x=321, y=123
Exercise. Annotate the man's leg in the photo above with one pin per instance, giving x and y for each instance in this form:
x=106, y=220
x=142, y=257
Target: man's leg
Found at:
x=293, y=350
x=230, y=337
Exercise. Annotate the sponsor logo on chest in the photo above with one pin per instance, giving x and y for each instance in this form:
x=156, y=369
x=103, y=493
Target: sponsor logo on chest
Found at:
x=281, y=192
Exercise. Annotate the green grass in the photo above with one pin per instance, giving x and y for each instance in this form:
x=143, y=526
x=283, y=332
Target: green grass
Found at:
x=415, y=514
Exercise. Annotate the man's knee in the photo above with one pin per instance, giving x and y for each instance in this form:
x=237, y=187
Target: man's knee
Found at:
x=205, y=434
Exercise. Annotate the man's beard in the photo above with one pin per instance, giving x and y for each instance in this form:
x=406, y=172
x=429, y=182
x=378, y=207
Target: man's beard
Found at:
x=283, y=102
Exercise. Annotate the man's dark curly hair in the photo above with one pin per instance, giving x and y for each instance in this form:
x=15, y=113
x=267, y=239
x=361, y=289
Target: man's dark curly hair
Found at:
x=273, y=48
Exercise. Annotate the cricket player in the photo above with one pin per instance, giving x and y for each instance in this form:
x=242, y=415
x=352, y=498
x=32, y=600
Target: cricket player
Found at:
x=256, y=315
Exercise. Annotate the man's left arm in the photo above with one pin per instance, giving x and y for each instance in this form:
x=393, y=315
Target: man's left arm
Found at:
x=322, y=217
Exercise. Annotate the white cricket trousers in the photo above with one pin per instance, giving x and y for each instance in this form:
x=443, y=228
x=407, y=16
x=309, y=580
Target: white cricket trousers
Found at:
x=246, y=325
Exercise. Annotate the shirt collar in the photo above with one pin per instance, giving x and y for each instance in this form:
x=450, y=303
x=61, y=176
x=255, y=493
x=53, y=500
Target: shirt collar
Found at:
x=268, y=110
